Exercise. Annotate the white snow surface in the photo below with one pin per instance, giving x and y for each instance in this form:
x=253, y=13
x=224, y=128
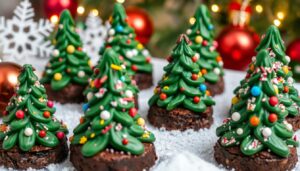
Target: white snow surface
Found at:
x=181, y=151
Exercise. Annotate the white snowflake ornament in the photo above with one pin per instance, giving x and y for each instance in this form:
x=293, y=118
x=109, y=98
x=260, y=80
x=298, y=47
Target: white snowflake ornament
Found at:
x=24, y=38
x=93, y=37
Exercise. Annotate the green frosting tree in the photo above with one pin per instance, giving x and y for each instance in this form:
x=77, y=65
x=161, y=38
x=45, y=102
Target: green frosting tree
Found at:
x=29, y=119
x=286, y=91
x=121, y=37
x=68, y=64
x=183, y=84
x=111, y=119
x=257, y=120
x=201, y=33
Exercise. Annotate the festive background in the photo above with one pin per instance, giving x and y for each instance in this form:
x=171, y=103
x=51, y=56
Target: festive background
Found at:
x=158, y=23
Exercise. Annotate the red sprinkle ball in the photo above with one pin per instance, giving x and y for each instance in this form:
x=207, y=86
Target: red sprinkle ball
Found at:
x=97, y=83
x=194, y=58
x=134, y=67
x=194, y=76
x=272, y=118
x=50, y=104
x=169, y=59
x=42, y=133
x=4, y=113
x=205, y=43
x=125, y=141
x=181, y=89
x=60, y=135
x=20, y=114
x=273, y=101
x=196, y=99
x=148, y=59
x=46, y=114
x=132, y=112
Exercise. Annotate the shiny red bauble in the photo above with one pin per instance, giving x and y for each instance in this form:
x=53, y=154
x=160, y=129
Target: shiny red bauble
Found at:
x=293, y=50
x=273, y=118
x=9, y=73
x=55, y=7
x=20, y=114
x=140, y=20
x=273, y=101
x=237, y=46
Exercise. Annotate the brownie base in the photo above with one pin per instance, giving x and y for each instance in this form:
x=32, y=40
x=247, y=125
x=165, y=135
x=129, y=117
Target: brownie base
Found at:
x=106, y=161
x=232, y=158
x=37, y=158
x=217, y=88
x=72, y=93
x=295, y=121
x=179, y=118
x=143, y=80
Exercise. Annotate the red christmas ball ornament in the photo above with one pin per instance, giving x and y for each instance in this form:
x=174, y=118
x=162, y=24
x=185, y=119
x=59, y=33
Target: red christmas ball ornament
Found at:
x=20, y=114
x=272, y=118
x=293, y=51
x=42, y=133
x=237, y=46
x=55, y=7
x=132, y=112
x=142, y=23
x=196, y=99
x=273, y=101
x=60, y=135
x=9, y=73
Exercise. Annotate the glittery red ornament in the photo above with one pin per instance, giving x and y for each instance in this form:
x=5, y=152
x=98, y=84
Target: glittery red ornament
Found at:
x=272, y=118
x=142, y=23
x=55, y=7
x=237, y=46
x=132, y=112
x=20, y=114
x=273, y=101
x=293, y=51
x=42, y=133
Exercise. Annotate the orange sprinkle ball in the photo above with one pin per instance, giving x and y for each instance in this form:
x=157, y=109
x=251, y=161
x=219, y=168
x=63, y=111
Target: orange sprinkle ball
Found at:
x=46, y=114
x=81, y=120
x=286, y=89
x=3, y=128
x=219, y=59
x=251, y=67
x=203, y=71
x=162, y=96
x=254, y=121
x=208, y=93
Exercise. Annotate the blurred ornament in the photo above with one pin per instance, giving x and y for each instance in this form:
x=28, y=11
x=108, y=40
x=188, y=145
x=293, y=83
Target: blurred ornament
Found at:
x=9, y=73
x=237, y=42
x=293, y=50
x=140, y=20
x=54, y=7
x=236, y=12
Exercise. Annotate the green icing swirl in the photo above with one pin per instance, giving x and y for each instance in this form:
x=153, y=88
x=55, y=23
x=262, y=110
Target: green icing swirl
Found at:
x=178, y=86
x=121, y=37
x=201, y=33
x=110, y=120
x=68, y=64
x=31, y=99
x=252, y=125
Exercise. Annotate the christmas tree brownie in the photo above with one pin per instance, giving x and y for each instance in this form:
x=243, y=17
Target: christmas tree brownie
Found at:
x=181, y=99
x=30, y=135
x=121, y=37
x=69, y=69
x=273, y=43
x=112, y=135
x=201, y=33
x=257, y=136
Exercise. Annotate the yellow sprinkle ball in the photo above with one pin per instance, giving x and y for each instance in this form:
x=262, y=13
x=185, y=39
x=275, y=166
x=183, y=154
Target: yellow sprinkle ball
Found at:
x=166, y=87
x=285, y=69
x=82, y=140
x=198, y=39
x=70, y=49
x=57, y=76
x=276, y=89
x=141, y=121
x=92, y=135
x=101, y=122
x=234, y=100
x=140, y=46
x=116, y=67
